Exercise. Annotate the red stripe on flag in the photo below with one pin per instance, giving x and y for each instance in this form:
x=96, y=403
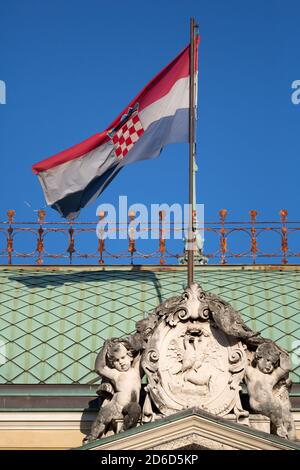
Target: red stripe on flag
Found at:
x=71, y=153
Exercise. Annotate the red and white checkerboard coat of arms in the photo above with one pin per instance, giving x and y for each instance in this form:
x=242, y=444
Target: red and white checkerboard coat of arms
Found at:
x=127, y=133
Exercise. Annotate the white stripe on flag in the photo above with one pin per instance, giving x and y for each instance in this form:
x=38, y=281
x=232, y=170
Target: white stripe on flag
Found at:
x=177, y=98
x=72, y=176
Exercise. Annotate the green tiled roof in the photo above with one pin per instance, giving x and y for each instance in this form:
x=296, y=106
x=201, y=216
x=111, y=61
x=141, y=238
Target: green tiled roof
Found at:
x=53, y=321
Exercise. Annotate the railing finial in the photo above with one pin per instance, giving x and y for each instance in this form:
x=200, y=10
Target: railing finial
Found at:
x=11, y=215
x=283, y=215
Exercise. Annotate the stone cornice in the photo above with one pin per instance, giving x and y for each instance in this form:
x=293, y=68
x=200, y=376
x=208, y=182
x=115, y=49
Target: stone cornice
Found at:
x=210, y=432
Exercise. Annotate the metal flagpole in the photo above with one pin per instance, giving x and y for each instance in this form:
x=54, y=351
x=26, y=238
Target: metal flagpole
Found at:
x=191, y=228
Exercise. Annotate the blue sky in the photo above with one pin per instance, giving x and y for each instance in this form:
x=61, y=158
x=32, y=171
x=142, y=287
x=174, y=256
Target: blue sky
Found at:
x=71, y=66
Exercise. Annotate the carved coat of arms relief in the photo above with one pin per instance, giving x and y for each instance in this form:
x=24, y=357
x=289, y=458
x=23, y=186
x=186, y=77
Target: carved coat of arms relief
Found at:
x=189, y=362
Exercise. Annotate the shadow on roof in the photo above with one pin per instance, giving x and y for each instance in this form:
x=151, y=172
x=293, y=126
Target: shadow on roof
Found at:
x=52, y=280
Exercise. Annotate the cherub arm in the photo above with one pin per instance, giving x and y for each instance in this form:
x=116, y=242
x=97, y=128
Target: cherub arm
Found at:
x=285, y=362
x=136, y=363
x=100, y=365
x=100, y=362
x=284, y=366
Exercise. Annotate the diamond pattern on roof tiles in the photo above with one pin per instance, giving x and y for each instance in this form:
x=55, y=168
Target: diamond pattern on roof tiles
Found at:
x=53, y=322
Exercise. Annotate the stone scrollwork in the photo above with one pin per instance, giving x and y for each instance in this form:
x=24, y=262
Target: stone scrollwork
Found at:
x=191, y=305
x=195, y=351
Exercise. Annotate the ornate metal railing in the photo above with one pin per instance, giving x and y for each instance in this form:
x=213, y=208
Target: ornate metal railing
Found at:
x=226, y=242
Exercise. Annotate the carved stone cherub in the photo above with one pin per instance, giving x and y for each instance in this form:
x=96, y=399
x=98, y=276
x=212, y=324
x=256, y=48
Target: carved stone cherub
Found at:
x=117, y=364
x=267, y=382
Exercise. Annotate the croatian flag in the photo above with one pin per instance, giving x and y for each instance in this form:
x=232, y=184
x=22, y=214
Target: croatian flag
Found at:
x=157, y=116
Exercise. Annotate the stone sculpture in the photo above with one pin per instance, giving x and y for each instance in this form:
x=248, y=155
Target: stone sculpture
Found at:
x=117, y=364
x=196, y=351
x=267, y=382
